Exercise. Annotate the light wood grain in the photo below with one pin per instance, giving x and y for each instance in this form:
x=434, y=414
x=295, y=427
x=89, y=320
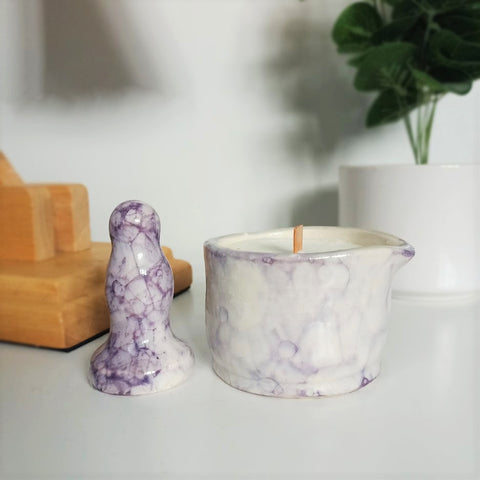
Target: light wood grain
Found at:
x=29, y=212
x=8, y=175
x=26, y=222
x=71, y=217
x=297, y=238
x=57, y=303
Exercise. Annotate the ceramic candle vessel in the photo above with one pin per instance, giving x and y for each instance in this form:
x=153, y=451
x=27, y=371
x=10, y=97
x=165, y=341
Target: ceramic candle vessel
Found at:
x=300, y=325
x=141, y=354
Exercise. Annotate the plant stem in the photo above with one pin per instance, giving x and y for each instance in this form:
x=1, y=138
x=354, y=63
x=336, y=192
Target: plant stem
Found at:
x=428, y=129
x=413, y=143
x=428, y=100
x=420, y=140
x=419, y=143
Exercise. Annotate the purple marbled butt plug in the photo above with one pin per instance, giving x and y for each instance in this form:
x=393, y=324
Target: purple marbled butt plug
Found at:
x=141, y=354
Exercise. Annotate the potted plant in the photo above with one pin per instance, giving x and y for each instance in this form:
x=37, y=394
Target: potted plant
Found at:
x=412, y=53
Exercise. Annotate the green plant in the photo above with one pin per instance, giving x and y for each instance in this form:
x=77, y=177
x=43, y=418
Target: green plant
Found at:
x=412, y=52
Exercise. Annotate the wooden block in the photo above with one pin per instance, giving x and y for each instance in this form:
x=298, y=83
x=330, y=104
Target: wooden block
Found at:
x=61, y=279
x=70, y=210
x=71, y=217
x=57, y=303
x=26, y=221
x=55, y=326
x=60, y=302
x=8, y=175
x=38, y=325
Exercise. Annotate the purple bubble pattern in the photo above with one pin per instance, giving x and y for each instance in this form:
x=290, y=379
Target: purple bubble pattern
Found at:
x=141, y=354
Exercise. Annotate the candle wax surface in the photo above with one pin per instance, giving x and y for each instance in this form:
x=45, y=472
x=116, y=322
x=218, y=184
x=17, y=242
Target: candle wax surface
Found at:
x=284, y=245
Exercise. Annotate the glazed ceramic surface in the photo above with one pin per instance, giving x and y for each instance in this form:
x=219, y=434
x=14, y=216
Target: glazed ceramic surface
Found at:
x=437, y=207
x=141, y=354
x=305, y=324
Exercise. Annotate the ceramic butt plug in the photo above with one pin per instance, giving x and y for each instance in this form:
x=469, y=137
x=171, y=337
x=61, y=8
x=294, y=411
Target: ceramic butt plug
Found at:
x=141, y=354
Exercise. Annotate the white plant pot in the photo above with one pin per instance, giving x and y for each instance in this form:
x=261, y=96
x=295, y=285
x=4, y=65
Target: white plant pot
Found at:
x=436, y=208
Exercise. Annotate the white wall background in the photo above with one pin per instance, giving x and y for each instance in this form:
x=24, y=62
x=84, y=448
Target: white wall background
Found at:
x=225, y=115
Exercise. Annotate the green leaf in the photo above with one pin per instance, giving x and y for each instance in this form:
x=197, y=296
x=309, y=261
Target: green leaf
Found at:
x=389, y=107
x=357, y=60
x=471, y=7
x=466, y=27
x=386, y=67
x=444, y=5
x=448, y=50
x=354, y=27
x=443, y=81
x=406, y=9
x=395, y=30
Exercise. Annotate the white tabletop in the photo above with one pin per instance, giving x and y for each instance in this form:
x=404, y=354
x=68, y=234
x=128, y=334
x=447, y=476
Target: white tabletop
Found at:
x=418, y=419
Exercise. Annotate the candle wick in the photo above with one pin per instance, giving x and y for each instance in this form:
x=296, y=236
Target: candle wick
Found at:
x=297, y=238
